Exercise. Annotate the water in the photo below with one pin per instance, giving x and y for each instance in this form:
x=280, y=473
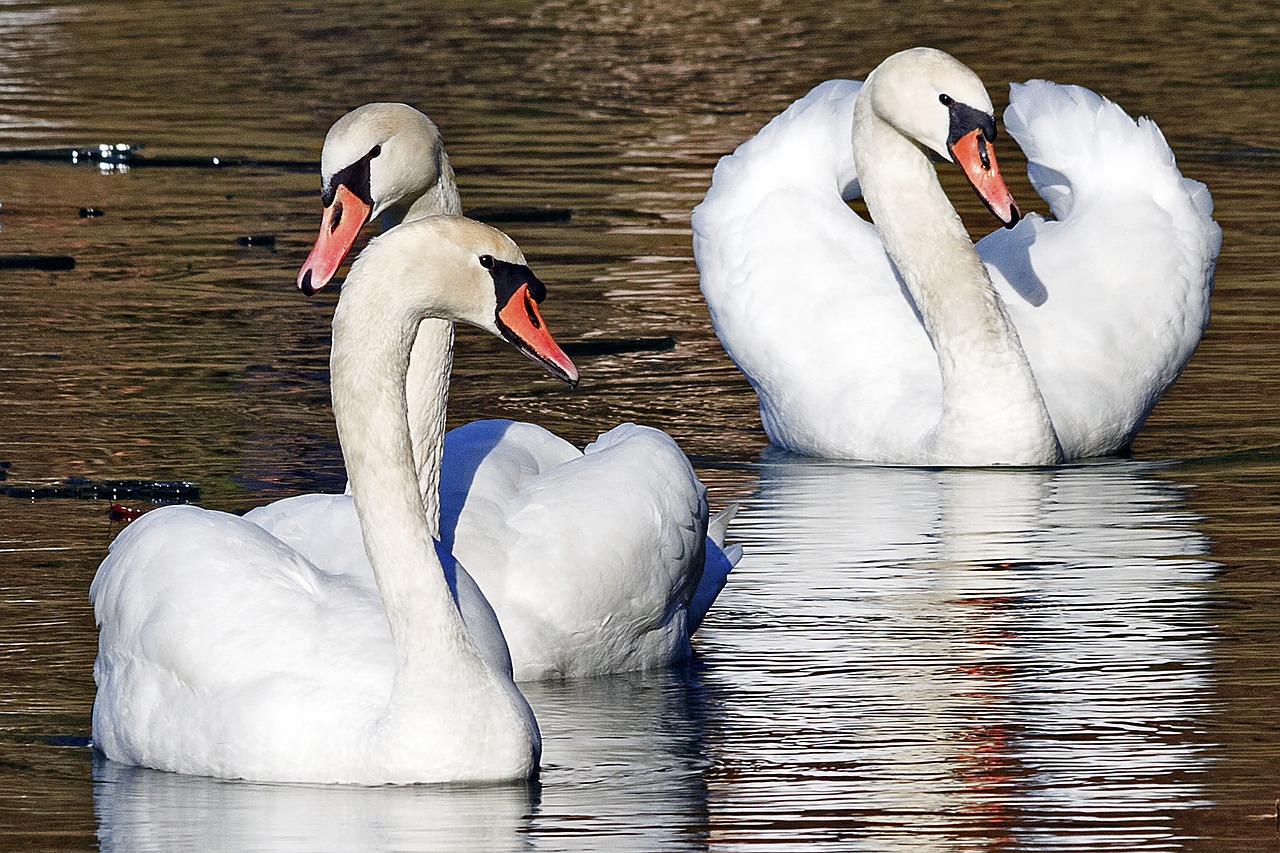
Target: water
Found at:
x=1082, y=658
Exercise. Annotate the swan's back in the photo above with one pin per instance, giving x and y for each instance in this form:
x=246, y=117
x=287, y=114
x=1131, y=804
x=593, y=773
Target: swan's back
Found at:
x=591, y=558
x=185, y=681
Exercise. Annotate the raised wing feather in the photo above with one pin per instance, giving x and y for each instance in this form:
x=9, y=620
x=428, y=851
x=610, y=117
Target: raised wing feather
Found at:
x=1110, y=296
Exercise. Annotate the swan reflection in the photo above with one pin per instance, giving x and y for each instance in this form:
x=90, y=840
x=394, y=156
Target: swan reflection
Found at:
x=1023, y=648
x=141, y=810
x=622, y=766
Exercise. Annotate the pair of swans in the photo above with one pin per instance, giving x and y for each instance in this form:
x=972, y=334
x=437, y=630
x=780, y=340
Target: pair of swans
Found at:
x=899, y=342
x=594, y=562
x=259, y=647
x=224, y=652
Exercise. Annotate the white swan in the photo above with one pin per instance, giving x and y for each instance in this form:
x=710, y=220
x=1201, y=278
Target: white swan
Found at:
x=223, y=652
x=595, y=562
x=886, y=343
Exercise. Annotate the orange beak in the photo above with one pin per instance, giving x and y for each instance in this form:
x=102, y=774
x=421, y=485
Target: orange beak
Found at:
x=977, y=158
x=521, y=325
x=343, y=219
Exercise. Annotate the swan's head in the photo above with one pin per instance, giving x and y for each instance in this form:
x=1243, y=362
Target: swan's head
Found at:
x=932, y=98
x=455, y=268
x=375, y=158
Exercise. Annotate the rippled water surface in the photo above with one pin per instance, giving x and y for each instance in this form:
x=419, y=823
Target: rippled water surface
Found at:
x=1082, y=658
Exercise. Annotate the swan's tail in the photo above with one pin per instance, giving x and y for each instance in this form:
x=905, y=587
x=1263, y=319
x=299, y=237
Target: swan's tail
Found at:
x=718, y=526
x=720, y=561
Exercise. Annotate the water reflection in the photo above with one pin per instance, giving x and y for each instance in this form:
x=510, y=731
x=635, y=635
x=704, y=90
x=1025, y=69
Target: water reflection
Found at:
x=621, y=761
x=144, y=810
x=1002, y=654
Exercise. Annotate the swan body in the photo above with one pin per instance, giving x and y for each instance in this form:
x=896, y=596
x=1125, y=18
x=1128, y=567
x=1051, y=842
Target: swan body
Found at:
x=225, y=652
x=600, y=561
x=828, y=317
x=533, y=504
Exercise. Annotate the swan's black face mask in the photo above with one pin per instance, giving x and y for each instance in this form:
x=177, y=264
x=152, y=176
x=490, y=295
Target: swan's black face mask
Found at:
x=969, y=140
x=348, y=205
x=354, y=177
x=518, y=292
x=965, y=119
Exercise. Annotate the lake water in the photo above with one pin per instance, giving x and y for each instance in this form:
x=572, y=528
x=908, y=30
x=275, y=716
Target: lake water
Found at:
x=1081, y=658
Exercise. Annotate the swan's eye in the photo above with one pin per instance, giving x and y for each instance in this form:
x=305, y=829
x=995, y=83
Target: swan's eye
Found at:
x=486, y=261
x=947, y=100
x=374, y=151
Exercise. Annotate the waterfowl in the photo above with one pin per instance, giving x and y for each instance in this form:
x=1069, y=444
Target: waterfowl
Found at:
x=224, y=652
x=900, y=341
x=594, y=561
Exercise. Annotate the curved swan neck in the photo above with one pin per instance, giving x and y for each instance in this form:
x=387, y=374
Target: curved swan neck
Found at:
x=992, y=406
x=369, y=364
x=427, y=396
x=928, y=243
x=441, y=197
x=432, y=356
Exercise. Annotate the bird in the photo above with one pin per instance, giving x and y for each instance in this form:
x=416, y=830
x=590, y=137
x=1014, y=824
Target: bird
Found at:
x=595, y=561
x=900, y=342
x=224, y=652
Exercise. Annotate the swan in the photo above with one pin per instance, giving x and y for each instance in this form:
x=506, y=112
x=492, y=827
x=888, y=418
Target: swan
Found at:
x=595, y=561
x=224, y=652
x=892, y=343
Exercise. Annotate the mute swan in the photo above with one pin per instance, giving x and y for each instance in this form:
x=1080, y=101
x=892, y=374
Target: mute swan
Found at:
x=595, y=562
x=223, y=652
x=887, y=343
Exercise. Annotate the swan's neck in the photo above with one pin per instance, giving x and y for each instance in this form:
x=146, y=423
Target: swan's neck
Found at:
x=432, y=357
x=441, y=198
x=427, y=394
x=369, y=364
x=992, y=407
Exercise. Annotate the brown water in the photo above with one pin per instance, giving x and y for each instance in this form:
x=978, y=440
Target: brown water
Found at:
x=1082, y=658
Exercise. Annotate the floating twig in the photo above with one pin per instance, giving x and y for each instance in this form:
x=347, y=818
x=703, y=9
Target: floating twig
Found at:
x=613, y=346
x=78, y=488
x=37, y=262
x=127, y=155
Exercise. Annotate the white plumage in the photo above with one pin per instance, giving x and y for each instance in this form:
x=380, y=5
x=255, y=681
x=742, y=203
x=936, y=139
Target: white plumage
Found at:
x=594, y=563
x=225, y=652
x=1108, y=299
x=582, y=555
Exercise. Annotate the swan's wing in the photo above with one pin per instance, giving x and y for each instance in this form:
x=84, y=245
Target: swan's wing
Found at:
x=802, y=294
x=325, y=531
x=510, y=453
x=478, y=615
x=1111, y=296
x=591, y=560
x=208, y=625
